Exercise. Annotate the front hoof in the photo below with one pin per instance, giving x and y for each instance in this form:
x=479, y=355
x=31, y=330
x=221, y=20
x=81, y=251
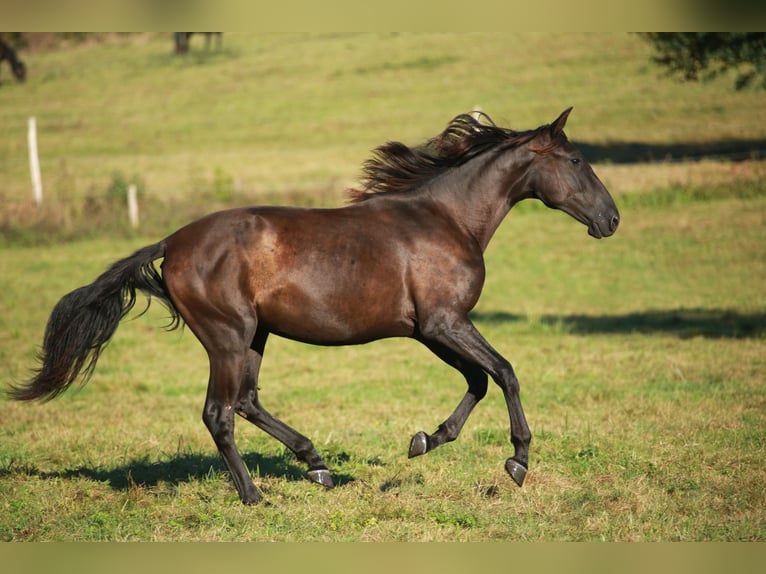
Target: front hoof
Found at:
x=321, y=476
x=517, y=471
x=418, y=445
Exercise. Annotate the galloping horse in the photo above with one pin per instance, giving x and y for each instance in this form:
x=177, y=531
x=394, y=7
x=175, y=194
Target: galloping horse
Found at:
x=403, y=259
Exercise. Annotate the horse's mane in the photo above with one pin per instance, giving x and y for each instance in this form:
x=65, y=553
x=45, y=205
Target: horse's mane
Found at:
x=396, y=167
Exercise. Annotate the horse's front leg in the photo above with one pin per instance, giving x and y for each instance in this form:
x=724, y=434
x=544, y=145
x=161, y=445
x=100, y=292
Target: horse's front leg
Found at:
x=449, y=430
x=461, y=336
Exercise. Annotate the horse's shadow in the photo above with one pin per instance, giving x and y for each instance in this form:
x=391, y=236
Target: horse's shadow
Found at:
x=682, y=323
x=645, y=152
x=179, y=469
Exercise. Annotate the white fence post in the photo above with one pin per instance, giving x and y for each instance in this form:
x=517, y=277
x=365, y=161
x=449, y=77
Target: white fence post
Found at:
x=132, y=205
x=34, y=162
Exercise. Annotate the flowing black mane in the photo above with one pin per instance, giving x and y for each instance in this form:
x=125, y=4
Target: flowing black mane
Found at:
x=395, y=166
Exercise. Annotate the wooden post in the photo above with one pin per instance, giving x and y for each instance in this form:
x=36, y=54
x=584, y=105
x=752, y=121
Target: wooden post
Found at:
x=34, y=162
x=132, y=205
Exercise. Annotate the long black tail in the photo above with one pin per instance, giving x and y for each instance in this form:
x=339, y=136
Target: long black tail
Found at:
x=83, y=322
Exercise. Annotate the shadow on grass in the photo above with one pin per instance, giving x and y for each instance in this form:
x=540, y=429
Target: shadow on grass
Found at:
x=641, y=152
x=682, y=323
x=176, y=470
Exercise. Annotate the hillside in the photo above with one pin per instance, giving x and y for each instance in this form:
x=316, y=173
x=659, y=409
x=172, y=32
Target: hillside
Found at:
x=291, y=117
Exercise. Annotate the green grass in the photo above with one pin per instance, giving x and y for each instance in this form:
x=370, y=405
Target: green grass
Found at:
x=641, y=357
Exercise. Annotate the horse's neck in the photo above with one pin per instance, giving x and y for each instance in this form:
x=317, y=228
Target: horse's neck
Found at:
x=478, y=196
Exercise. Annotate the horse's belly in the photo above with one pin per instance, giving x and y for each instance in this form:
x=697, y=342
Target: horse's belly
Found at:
x=333, y=311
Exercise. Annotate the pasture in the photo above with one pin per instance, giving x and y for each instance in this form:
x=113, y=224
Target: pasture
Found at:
x=641, y=357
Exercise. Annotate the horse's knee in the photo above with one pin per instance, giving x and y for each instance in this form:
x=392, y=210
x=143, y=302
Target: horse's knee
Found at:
x=513, y=385
x=508, y=381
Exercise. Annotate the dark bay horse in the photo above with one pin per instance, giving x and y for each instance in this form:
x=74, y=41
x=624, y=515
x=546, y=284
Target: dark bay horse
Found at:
x=403, y=259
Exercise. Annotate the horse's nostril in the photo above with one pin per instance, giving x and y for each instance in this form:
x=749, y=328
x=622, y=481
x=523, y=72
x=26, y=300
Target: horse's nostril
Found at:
x=614, y=222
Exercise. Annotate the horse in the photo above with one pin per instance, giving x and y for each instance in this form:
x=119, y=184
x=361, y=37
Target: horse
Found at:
x=182, y=39
x=403, y=258
x=17, y=66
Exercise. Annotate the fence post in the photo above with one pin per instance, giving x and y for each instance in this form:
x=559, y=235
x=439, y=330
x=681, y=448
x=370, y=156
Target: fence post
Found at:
x=132, y=205
x=34, y=162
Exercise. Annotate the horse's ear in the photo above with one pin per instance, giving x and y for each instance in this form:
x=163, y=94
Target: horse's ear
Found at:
x=558, y=126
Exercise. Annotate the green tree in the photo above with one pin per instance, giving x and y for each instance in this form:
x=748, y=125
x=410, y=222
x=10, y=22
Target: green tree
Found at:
x=704, y=55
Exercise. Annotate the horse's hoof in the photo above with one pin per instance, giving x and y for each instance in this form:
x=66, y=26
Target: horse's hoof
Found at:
x=253, y=499
x=418, y=444
x=517, y=471
x=321, y=476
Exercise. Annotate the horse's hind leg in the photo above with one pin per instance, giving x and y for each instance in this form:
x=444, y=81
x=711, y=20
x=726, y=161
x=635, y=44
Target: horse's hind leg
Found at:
x=449, y=430
x=223, y=390
x=249, y=407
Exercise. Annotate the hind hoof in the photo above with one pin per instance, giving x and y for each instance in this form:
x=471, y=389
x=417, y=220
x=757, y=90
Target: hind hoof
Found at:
x=418, y=445
x=252, y=498
x=517, y=471
x=321, y=476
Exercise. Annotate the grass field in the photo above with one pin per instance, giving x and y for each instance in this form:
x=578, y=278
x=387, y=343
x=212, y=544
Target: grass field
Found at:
x=290, y=117
x=641, y=358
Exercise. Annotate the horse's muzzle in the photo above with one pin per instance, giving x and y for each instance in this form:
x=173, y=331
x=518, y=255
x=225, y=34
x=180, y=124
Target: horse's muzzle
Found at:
x=604, y=226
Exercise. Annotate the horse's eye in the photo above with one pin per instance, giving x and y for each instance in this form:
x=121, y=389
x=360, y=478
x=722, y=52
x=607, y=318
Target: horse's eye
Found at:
x=575, y=160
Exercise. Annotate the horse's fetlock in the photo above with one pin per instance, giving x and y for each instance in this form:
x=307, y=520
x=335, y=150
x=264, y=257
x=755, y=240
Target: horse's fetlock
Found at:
x=449, y=430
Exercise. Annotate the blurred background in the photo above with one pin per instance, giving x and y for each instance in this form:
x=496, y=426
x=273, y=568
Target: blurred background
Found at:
x=203, y=121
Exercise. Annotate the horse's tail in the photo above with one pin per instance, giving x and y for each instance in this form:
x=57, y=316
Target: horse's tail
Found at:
x=83, y=322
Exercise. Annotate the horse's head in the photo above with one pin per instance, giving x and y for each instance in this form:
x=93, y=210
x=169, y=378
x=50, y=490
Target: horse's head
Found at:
x=561, y=178
x=19, y=70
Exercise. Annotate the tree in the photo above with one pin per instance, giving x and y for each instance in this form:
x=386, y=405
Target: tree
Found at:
x=705, y=55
